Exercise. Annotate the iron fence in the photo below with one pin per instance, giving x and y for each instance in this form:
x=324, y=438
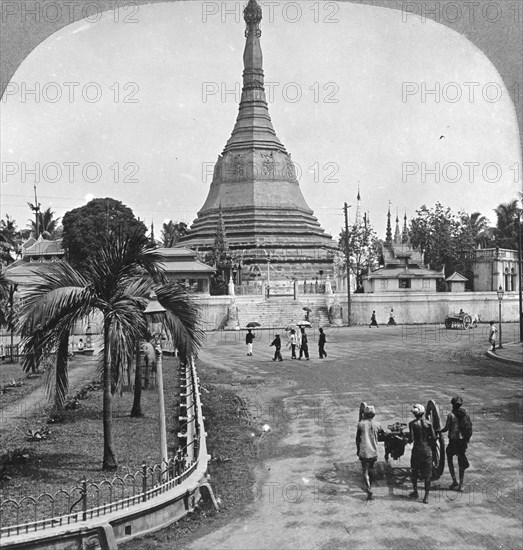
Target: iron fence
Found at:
x=90, y=500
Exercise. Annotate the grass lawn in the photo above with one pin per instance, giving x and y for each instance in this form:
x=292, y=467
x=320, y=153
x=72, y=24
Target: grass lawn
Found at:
x=74, y=448
x=10, y=372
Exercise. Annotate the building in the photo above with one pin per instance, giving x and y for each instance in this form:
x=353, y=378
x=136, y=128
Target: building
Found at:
x=269, y=225
x=403, y=268
x=182, y=264
x=491, y=268
x=456, y=282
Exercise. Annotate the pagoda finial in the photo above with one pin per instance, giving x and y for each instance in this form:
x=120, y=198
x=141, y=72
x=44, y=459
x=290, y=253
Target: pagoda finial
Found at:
x=388, y=234
x=252, y=13
x=397, y=234
x=405, y=234
x=358, y=206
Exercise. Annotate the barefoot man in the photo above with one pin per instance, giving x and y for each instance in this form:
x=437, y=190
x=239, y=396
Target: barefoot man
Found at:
x=422, y=435
x=367, y=445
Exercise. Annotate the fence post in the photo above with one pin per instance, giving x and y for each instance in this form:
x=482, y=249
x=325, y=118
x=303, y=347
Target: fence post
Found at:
x=144, y=481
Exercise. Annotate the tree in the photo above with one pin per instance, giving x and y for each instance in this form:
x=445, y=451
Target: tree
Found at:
x=507, y=227
x=84, y=228
x=47, y=224
x=363, y=246
x=476, y=231
x=112, y=282
x=442, y=235
x=171, y=233
x=181, y=322
x=9, y=240
x=116, y=281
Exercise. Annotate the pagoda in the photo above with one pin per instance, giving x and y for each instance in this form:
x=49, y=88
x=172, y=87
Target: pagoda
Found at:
x=255, y=189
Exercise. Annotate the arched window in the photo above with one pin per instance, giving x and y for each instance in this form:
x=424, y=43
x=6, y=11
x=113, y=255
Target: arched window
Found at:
x=513, y=277
x=508, y=280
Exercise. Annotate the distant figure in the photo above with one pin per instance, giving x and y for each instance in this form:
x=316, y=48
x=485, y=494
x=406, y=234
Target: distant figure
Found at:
x=492, y=336
x=304, y=345
x=367, y=445
x=391, y=320
x=459, y=427
x=422, y=435
x=321, y=344
x=373, y=322
x=277, y=344
x=268, y=292
x=293, y=340
x=80, y=345
x=461, y=312
x=249, y=338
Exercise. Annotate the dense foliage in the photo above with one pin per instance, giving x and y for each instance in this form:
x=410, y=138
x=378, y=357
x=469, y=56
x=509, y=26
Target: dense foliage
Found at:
x=84, y=228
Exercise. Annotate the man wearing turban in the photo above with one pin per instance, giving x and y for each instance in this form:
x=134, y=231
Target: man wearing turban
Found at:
x=422, y=435
x=367, y=445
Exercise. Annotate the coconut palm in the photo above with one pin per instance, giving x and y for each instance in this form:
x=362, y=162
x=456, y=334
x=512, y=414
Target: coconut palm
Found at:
x=116, y=280
x=506, y=234
x=47, y=223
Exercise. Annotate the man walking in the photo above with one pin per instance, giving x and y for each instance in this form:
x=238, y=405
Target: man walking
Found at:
x=492, y=336
x=277, y=344
x=293, y=340
x=321, y=344
x=304, y=346
x=373, y=322
x=459, y=427
x=422, y=435
x=249, y=338
x=367, y=445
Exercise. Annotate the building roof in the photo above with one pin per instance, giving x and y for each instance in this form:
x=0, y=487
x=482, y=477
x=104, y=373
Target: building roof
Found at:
x=182, y=260
x=43, y=247
x=456, y=277
x=405, y=272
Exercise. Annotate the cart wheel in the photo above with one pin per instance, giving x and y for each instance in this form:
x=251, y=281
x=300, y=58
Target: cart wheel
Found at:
x=362, y=408
x=467, y=321
x=438, y=448
x=448, y=323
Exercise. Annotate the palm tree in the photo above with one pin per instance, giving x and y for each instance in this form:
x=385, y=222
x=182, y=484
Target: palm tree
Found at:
x=181, y=322
x=47, y=223
x=116, y=281
x=506, y=234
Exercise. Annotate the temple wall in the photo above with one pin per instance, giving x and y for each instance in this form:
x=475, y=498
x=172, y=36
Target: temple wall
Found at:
x=409, y=307
x=417, y=307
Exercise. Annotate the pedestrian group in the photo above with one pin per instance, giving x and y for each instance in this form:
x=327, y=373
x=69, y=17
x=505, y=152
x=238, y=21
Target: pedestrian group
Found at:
x=423, y=437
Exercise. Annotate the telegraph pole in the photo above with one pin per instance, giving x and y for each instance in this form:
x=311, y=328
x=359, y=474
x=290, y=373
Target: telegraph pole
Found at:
x=520, y=278
x=347, y=259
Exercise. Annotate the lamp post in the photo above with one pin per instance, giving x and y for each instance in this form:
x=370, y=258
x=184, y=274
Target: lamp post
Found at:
x=88, y=337
x=154, y=313
x=500, y=299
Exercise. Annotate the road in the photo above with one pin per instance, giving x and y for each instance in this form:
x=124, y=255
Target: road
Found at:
x=308, y=493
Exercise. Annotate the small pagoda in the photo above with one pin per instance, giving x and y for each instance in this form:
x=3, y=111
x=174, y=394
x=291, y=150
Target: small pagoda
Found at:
x=267, y=221
x=404, y=268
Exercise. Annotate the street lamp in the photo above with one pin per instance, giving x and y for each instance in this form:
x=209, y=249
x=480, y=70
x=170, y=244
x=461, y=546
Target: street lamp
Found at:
x=88, y=337
x=500, y=299
x=154, y=313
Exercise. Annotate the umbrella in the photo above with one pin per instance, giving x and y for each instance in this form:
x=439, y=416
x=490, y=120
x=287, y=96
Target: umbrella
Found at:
x=253, y=324
x=303, y=324
x=307, y=309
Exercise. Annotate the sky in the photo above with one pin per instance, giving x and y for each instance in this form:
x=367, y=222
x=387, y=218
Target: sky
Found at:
x=138, y=106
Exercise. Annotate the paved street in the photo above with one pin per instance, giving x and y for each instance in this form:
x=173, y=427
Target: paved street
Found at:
x=308, y=492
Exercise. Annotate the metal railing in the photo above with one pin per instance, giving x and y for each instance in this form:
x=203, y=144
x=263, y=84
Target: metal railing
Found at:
x=92, y=500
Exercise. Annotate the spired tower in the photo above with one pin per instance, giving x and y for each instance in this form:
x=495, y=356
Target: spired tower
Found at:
x=254, y=185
